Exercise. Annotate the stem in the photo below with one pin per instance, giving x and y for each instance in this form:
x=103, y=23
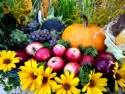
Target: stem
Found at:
x=85, y=20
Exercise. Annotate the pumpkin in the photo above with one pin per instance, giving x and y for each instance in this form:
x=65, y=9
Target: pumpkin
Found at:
x=85, y=35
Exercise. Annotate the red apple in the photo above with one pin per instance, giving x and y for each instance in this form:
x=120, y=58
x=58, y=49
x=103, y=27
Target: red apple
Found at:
x=73, y=54
x=103, y=65
x=22, y=55
x=86, y=59
x=72, y=67
x=106, y=55
x=59, y=50
x=43, y=54
x=32, y=47
x=56, y=63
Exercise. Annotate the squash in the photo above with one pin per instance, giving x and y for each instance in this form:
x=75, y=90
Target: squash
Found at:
x=86, y=35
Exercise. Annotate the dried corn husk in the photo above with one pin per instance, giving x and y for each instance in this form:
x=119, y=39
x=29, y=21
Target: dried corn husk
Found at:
x=116, y=50
x=120, y=39
x=44, y=8
x=28, y=4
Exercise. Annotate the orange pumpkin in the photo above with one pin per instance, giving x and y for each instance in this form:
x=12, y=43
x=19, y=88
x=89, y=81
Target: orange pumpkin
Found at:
x=86, y=35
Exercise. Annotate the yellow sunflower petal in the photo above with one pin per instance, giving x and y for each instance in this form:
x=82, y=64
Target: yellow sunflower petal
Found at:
x=39, y=79
x=32, y=86
x=96, y=90
x=75, y=81
x=64, y=92
x=2, y=66
x=101, y=82
x=63, y=78
x=5, y=69
x=34, y=64
x=48, y=71
x=53, y=84
x=121, y=83
x=13, y=65
x=3, y=54
x=15, y=60
x=102, y=88
x=9, y=68
x=26, y=85
x=68, y=92
x=60, y=91
x=71, y=77
x=52, y=75
x=58, y=87
x=85, y=87
x=74, y=90
x=41, y=90
x=12, y=55
x=67, y=76
x=96, y=76
x=59, y=80
x=116, y=86
x=89, y=91
x=9, y=53
x=47, y=89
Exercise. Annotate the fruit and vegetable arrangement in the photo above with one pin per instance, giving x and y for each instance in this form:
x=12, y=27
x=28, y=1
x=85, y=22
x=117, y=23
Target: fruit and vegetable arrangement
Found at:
x=62, y=46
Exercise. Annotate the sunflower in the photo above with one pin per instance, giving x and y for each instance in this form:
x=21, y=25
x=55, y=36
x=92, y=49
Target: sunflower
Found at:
x=67, y=84
x=119, y=76
x=30, y=76
x=96, y=84
x=47, y=83
x=8, y=60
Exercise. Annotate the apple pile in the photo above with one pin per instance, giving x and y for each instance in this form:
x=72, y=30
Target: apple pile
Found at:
x=62, y=59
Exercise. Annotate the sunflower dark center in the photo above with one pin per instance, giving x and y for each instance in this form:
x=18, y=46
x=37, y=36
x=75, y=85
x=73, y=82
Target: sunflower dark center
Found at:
x=33, y=76
x=45, y=79
x=7, y=61
x=66, y=86
x=118, y=76
x=92, y=83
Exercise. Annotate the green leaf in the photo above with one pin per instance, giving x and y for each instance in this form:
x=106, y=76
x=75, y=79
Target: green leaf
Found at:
x=64, y=43
x=42, y=64
x=88, y=50
x=84, y=74
x=1, y=10
x=1, y=16
x=47, y=45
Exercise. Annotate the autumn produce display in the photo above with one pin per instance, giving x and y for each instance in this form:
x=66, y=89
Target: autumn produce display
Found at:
x=62, y=46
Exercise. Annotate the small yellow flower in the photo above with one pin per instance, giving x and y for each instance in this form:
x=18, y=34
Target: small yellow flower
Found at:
x=119, y=76
x=47, y=83
x=67, y=84
x=8, y=60
x=30, y=76
x=96, y=84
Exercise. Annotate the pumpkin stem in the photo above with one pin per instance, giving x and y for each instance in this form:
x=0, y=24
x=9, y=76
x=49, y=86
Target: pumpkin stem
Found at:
x=85, y=20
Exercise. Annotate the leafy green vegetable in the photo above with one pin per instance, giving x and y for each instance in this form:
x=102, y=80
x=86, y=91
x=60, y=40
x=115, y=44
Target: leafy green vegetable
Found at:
x=42, y=64
x=64, y=43
x=88, y=50
x=84, y=74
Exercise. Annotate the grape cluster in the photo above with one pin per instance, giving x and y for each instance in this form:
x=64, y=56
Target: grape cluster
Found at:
x=32, y=26
x=18, y=39
x=40, y=35
x=44, y=36
x=53, y=39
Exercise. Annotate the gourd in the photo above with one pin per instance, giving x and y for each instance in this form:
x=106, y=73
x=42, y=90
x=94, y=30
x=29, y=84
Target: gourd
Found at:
x=85, y=35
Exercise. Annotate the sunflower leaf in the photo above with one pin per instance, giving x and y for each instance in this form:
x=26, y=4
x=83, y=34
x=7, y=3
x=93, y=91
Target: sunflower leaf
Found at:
x=84, y=74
